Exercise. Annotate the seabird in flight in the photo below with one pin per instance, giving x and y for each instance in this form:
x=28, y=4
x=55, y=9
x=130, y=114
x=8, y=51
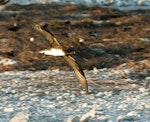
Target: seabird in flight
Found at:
x=58, y=50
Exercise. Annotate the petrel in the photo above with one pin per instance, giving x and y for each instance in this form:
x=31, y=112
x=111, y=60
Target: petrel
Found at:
x=58, y=50
x=3, y=2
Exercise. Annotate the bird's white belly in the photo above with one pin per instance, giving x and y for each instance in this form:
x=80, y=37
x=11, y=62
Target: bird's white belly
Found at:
x=53, y=52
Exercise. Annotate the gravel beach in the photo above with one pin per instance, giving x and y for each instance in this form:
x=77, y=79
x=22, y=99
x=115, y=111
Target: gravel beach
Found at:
x=56, y=96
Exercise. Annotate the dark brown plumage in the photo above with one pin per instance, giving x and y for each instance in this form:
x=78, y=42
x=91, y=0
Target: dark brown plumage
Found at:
x=78, y=71
x=56, y=45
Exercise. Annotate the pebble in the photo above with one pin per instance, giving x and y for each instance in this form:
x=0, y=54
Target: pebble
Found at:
x=131, y=116
x=104, y=118
x=32, y=39
x=100, y=94
x=23, y=98
x=133, y=113
x=73, y=119
x=59, y=98
x=97, y=22
x=81, y=40
x=147, y=78
x=83, y=92
x=139, y=107
x=8, y=109
x=142, y=90
x=120, y=117
x=84, y=119
x=20, y=117
x=85, y=105
x=95, y=70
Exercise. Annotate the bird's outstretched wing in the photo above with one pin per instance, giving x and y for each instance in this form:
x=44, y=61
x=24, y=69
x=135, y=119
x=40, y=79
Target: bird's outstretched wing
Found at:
x=78, y=71
x=48, y=35
x=3, y=2
x=55, y=44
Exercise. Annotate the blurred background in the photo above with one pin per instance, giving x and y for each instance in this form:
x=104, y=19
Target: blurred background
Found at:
x=102, y=33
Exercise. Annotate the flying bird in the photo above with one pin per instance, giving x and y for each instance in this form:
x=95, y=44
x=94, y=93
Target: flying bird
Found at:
x=3, y=2
x=58, y=50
